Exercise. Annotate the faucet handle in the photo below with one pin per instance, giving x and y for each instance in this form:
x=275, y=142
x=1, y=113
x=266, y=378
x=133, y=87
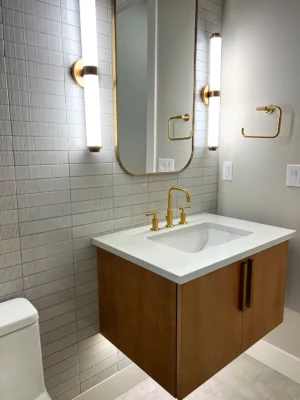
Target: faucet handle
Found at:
x=154, y=220
x=183, y=215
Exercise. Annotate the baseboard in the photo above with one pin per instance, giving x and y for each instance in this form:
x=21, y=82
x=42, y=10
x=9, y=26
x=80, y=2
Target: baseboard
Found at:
x=116, y=385
x=277, y=359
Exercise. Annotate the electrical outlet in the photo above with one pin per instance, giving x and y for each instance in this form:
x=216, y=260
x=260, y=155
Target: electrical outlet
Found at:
x=227, y=171
x=165, y=165
x=293, y=175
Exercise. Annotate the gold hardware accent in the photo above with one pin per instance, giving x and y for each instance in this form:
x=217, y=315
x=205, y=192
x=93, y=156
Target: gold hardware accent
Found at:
x=90, y=70
x=77, y=75
x=115, y=89
x=215, y=93
x=185, y=117
x=170, y=218
x=154, y=220
x=78, y=71
x=243, y=285
x=206, y=94
x=268, y=110
x=215, y=35
x=250, y=278
x=170, y=204
x=94, y=149
x=183, y=215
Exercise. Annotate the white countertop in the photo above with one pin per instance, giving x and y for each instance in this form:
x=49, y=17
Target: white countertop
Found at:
x=181, y=267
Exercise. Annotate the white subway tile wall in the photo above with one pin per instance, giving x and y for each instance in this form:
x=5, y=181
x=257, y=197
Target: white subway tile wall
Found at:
x=55, y=196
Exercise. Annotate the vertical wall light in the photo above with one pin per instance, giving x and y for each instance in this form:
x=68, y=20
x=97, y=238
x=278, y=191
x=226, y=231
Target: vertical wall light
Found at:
x=85, y=73
x=211, y=94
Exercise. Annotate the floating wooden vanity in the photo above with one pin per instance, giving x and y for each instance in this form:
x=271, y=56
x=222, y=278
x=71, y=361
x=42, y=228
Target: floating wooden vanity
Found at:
x=183, y=303
x=181, y=335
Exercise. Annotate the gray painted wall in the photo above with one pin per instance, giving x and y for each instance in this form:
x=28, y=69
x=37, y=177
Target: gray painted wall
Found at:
x=55, y=196
x=261, y=62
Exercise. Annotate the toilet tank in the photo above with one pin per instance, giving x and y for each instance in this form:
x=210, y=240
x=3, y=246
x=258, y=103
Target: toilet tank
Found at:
x=21, y=372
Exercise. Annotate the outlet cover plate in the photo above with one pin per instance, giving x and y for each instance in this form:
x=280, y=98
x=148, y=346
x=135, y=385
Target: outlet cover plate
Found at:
x=293, y=175
x=165, y=165
x=227, y=171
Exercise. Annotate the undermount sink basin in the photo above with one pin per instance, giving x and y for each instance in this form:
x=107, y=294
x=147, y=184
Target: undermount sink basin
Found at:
x=199, y=237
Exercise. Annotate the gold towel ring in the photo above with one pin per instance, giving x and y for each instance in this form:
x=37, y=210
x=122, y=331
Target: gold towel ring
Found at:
x=185, y=117
x=268, y=110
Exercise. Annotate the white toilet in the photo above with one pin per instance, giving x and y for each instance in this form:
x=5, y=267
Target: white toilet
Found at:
x=21, y=370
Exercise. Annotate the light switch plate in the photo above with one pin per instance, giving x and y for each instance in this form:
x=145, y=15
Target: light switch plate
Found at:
x=293, y=175
x=227, y=171
x=165, y=165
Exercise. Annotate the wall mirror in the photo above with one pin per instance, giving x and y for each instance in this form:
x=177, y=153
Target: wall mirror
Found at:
x=154, y=83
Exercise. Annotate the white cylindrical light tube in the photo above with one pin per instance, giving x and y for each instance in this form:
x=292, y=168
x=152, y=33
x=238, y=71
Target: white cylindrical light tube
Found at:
x=213, y=123
x=91, y=81
x=215, y=62
x=214, y=89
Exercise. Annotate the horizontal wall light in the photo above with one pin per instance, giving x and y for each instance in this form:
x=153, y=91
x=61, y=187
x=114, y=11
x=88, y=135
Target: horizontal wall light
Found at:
x=85, y=74
x=211, y=94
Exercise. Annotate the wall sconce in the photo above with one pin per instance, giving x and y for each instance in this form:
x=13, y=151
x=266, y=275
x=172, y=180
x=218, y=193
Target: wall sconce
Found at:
x=85, y=74
x=211, y=94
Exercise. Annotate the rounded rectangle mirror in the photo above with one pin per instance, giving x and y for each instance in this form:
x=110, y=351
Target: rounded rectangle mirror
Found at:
x=154, y=84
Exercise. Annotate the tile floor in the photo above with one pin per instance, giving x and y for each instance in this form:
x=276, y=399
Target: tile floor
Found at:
x=244, y=379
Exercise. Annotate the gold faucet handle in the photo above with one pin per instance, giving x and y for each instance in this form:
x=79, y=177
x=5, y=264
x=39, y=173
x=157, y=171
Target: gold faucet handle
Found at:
x=183, y=215
x=182, y=208
x=154, y=220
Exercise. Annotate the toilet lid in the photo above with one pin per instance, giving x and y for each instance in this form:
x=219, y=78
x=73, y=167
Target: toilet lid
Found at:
x=16, y=314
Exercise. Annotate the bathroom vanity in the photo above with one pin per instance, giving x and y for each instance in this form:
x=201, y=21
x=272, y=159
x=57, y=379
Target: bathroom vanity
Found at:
x=183, y=303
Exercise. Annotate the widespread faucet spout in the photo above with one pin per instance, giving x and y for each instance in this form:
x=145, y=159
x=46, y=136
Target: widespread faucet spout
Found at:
x=180, y=189
x=170, y=203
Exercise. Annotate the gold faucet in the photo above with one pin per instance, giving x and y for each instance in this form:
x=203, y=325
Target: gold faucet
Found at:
x=170, y=204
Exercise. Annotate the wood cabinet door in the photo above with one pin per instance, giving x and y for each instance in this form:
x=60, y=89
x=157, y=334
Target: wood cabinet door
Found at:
x=137, y=311
x=266, y=279
x=209, y=325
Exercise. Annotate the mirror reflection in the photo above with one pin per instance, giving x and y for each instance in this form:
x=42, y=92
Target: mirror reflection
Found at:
x=154, y=84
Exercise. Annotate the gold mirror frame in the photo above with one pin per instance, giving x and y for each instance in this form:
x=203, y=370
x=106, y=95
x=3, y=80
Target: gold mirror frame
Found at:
x=115, y=88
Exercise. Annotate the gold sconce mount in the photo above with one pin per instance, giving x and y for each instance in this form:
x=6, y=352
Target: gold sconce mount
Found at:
x=206, y=93
x=77, y=75
x=79, y=71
